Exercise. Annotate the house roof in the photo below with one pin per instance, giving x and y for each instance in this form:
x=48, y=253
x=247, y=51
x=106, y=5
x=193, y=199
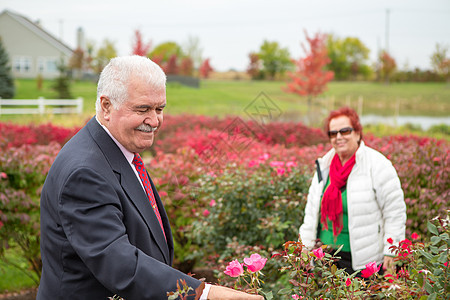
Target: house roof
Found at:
x=38, y=30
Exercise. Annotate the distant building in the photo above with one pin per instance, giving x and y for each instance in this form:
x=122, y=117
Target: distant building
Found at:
x=31, y=49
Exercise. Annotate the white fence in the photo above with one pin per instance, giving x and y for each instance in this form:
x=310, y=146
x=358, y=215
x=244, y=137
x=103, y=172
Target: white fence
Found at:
x=41, y=106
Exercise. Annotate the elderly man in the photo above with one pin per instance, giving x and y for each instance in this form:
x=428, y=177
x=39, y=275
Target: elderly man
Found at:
x=104, y=230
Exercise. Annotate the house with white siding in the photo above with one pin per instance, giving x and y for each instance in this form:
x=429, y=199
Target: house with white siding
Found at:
x=32, y=50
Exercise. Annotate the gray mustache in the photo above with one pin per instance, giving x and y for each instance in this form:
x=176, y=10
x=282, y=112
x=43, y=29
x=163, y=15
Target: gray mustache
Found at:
x=146, y=128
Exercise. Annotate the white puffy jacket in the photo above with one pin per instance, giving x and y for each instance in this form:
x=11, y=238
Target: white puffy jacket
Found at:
x=376, y=208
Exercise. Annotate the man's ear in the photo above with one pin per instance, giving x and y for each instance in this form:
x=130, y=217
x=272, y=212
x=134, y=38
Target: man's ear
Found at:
x=106, y=107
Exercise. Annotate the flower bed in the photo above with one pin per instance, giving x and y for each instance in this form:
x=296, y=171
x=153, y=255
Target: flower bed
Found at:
x=234, y=182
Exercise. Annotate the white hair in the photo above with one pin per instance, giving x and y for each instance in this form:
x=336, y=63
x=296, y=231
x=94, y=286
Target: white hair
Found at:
x=120, y=71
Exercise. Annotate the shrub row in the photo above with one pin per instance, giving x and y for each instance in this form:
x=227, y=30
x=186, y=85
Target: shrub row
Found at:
x=236, y=185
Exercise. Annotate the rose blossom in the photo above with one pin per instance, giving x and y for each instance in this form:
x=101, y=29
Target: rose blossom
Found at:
x=234, y=269
x=255, y=262
x=318, y=253
x=206, y=213
x=415, y=236
x=280, y=171
x=390, y=241
x=371, y=268
x=348, y=282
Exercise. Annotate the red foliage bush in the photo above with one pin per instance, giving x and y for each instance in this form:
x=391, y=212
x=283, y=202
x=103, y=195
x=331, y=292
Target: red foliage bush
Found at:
x=13, y=135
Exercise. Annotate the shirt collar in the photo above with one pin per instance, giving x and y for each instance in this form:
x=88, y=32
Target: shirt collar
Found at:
x=128, y=155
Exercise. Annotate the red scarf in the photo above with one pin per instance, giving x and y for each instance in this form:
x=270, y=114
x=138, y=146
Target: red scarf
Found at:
x=332, y=198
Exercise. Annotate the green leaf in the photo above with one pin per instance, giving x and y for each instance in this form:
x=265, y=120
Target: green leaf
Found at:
x=432, y=296
x=284, y=291
x=426, y=254
x=268, y=295
x=435, y=240
x=443, y=257
x=432, y=228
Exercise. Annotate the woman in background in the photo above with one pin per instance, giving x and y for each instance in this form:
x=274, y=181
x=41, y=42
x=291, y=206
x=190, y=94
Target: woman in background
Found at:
x=355, y=198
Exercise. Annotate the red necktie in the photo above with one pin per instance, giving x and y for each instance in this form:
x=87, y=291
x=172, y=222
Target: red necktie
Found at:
x=139, y=164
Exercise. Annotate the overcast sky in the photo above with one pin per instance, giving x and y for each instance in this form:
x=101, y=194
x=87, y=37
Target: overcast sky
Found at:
x=228, y=30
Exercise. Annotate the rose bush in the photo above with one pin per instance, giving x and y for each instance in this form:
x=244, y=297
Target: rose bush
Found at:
x=258, y=174
x=422, y=271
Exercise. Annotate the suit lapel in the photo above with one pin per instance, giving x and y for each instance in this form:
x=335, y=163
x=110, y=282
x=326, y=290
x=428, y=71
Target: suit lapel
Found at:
x=132, y=187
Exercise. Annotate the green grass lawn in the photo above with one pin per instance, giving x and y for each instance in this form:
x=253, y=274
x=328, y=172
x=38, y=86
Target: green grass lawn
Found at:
x=222, y=98
x=11, y=278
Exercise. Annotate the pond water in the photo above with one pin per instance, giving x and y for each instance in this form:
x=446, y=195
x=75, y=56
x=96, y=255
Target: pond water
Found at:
x=423, y=121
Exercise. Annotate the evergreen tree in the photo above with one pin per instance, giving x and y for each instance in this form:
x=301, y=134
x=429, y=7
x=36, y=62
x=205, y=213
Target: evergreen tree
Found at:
x=62, y=82
x=7, y=89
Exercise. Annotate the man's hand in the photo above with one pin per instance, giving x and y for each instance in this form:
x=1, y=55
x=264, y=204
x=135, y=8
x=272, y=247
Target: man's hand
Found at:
x=388, y=263
x=220, y=292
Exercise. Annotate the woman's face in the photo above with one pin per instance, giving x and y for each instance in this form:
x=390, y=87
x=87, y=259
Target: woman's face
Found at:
x=345, y=145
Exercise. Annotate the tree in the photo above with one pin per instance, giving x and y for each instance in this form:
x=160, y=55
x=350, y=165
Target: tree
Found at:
x=172, y=67
x=387, y=66
x=139, y=47
x=348, y=57
x=254, y=67
x=311, y=77
x=275, y=60
x=205, y=69
x=76, y=62
x=440, y=62
x=7, y=89
x=165, y=50
x=104, y=55
x=62, y=82
x=193, y=50
x=186, y=66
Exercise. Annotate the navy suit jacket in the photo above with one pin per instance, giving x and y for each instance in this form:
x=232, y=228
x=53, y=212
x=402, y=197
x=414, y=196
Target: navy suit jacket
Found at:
x=99, y=234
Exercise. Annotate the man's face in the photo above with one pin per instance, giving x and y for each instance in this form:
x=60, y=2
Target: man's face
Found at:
x=132, y=124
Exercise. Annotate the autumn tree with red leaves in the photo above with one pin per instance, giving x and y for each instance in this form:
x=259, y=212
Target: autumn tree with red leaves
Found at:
x=387, y=66
x=205, y=69
x=186, y=66
x=172, y=65
x=254, y=67
x=139, y=47
x=310, y=78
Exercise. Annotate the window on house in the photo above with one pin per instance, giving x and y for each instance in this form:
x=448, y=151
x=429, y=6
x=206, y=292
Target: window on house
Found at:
x=47, y=65
x=41, y=65
x=22, y=64
x=51, y=65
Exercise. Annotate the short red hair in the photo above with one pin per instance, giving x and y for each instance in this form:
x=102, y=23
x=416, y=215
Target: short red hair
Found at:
x=349, y=113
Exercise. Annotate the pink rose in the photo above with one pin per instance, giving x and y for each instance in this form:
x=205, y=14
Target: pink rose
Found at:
x=234, y=269
x=280, y=171
x=296, y=297
x=390, y=241
x=415, y=236
x=3, y=175
x=255, y=262
x=276, y=163
x=206, y=213
x=389, y=277
x=212, y=203
x=371, y=268
x=348, y=282
x=318, y=253
x=291, y=164
x=264, y=157
x=252, y=163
